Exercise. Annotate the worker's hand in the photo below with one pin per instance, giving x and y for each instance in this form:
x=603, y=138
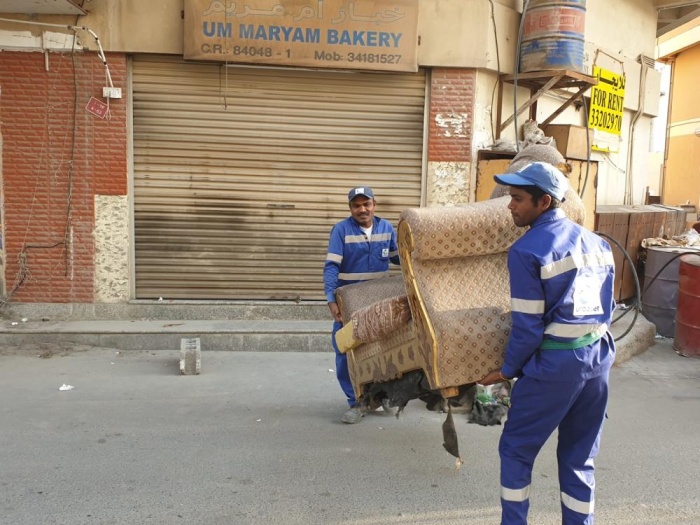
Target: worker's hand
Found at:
x=335, y=312
x=492, y=378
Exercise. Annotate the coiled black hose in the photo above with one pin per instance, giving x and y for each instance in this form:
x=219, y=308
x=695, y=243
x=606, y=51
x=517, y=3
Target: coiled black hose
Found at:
x=637, y=305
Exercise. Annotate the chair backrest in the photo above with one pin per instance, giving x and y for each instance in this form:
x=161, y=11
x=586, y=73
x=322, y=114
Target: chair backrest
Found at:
x=453, y=261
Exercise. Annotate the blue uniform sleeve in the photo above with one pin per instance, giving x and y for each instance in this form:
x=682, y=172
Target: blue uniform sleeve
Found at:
x=334, y=258
x=394, y=248
x=527, y=307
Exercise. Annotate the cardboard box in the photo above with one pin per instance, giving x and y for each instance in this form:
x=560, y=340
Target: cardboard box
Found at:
x=629, y=225
x=571, y=140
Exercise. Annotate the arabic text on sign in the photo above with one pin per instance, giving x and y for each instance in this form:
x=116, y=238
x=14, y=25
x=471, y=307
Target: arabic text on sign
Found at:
x=231, y=10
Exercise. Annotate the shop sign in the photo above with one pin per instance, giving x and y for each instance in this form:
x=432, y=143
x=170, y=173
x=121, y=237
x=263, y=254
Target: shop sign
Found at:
x=375, y=35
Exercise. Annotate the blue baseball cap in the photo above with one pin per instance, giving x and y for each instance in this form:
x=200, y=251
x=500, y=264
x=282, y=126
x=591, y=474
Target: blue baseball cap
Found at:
x=360, y=190
x=541, y=174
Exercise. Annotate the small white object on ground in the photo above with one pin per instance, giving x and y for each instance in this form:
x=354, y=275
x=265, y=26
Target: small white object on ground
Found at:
x=65, y=387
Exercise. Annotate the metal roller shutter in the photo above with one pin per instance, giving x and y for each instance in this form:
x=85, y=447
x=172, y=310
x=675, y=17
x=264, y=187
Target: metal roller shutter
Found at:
x=239, y=173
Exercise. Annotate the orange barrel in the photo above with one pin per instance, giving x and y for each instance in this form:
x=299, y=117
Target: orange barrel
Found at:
x=553, y=35
x=687, y=340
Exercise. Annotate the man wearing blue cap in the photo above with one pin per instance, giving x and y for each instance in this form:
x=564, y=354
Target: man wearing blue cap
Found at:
x=360, y=248
x=560, y=348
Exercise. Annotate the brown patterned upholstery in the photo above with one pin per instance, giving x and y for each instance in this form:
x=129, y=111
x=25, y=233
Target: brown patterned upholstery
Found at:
x=389, y=357
x=454, y=265
x=379, y=320
x=453, y=262
x=355, y=297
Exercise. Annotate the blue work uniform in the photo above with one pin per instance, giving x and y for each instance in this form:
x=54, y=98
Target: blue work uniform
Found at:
x=560, y=348
x=353, y=258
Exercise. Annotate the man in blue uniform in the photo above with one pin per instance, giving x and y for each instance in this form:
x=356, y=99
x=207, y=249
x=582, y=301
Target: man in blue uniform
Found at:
x=360, y=248
x=560, y=347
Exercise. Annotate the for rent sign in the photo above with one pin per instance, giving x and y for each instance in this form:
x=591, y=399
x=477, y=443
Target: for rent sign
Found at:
x=364, y=34
x=607, y=105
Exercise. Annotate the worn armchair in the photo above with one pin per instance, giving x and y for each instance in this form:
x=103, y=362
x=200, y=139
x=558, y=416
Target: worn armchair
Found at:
x=455, y=283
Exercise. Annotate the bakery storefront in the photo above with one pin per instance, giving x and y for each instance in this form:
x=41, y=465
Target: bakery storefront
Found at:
x=244, y=148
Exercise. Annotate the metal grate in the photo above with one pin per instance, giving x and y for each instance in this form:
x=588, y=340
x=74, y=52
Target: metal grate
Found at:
x=239, y=173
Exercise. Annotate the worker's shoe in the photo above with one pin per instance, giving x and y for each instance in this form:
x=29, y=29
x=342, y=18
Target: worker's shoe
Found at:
x=354, y=415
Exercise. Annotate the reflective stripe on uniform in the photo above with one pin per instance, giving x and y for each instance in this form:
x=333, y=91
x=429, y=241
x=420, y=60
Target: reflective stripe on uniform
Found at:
x=527, y=306
x=574, y=331
x=361, y=276
x=354, y=239
x=588, y=260
x=515, y=494
x=378, y=237
x=334, y=257
x=582, y=507
x=394, y=253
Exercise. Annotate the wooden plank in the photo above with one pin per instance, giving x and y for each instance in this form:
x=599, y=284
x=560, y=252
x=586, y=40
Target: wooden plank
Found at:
x=660, y=219
x=485, y=171
x=532, y=100
x=565, y=105
x=614, y=221
x=577, y=178
x=620, y=228
x=566, y=79
x=639, y=229
x=681, y=221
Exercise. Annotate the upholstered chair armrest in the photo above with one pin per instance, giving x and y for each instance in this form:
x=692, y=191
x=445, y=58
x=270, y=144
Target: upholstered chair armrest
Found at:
x=374, y=323
x=355, y=297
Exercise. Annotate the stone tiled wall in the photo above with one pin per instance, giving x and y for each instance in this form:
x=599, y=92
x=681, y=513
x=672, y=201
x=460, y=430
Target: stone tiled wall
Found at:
x=450, y=135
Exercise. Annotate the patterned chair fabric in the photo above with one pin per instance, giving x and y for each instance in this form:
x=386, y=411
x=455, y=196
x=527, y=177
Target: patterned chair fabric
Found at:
x=455, y=277
x=377, y=321
x=389, y=357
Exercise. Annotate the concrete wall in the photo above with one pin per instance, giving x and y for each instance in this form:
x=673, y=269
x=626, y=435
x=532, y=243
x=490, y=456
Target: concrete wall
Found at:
x=84, y=257
x=112, y=278
x=616, y=34
x=453, y=33
x=451, y=118
x=682, y=173
x=56, y=158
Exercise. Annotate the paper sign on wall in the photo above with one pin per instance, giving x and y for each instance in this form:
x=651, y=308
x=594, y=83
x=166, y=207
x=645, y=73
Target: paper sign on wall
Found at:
x=97, y=107
x=607, y=109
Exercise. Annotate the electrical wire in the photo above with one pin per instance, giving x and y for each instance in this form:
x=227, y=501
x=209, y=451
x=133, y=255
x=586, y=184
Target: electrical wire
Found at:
x=647, y=286
x=100, y=51
x=517, y=70
x=24, y=274
x=637, y=306
x=588, y=148
x=639, y=294
x=498, y=66
x=71, y=164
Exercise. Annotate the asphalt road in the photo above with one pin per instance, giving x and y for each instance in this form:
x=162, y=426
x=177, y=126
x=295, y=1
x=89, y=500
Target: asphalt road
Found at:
x=256, y=439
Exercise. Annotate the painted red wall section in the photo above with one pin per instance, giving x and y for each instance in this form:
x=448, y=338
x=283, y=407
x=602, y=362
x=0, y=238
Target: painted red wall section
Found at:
x=451, y=98
x=56, y=157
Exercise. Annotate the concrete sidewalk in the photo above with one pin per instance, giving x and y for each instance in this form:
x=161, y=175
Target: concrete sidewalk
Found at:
x=268, y=335
x=242, y=335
